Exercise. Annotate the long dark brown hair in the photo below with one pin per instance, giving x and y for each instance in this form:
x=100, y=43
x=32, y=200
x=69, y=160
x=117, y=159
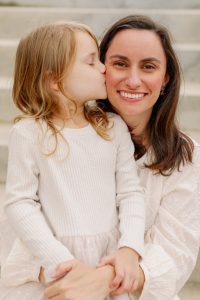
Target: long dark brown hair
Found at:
x=170, y=146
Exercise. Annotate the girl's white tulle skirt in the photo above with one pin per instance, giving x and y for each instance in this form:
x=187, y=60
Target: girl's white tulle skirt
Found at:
x=19, y=264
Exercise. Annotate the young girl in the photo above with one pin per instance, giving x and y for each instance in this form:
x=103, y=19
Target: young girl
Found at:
x=70, y=166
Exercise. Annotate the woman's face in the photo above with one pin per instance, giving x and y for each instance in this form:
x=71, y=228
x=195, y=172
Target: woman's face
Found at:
x=135, y=72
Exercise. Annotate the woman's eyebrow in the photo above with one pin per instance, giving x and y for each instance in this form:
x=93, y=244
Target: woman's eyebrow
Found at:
x=119, y=56
x=148, y=59
x=151, y=59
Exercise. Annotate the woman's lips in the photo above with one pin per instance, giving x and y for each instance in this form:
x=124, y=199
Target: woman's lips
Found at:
x=132, y=97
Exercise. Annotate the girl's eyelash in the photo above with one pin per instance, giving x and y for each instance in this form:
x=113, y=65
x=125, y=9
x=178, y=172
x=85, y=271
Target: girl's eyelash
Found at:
x=91, y=62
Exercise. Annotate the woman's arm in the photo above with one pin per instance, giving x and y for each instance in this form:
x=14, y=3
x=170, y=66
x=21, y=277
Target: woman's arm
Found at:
x=172, y=243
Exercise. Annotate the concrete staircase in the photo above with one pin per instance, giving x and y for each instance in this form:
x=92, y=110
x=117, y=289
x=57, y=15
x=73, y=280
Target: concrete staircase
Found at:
x=18, y=17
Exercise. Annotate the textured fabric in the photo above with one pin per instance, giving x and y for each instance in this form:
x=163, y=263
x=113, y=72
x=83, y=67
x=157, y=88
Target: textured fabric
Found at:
x=72, y=194
x=23, y=266
x=172, y=231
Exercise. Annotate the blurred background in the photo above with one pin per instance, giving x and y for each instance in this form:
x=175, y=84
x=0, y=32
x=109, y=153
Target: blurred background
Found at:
x=182, y=17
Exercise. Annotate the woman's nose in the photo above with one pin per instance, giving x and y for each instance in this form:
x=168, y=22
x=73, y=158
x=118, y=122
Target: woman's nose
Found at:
x=133, y=79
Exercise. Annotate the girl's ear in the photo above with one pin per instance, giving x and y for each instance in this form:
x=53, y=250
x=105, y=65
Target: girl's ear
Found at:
x=53, y=81
x=54, y=86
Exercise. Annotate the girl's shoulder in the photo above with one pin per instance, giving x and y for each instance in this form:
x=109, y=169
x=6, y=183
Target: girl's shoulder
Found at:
x=25, y=123
x=27, y=128
x=117, y=121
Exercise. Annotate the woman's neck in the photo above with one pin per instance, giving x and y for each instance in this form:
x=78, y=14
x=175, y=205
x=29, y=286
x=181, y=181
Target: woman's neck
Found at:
x=138, y=126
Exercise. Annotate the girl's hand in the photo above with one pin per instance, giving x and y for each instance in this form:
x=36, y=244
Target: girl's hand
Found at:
x=82, y=282
x=126, y=263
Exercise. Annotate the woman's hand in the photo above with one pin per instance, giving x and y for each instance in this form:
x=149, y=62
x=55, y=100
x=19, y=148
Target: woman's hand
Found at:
x=82, y=282
x=62, y=270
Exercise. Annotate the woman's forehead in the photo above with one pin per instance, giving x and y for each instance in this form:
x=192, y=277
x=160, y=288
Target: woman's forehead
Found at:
x=131, y=42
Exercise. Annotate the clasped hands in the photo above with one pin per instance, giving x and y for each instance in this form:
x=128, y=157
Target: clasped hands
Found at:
x=116, y=274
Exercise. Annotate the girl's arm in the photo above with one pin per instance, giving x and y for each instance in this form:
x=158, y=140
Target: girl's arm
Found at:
x=130, y=201
x=130, y=195
x=172, y=243
x=23, y=208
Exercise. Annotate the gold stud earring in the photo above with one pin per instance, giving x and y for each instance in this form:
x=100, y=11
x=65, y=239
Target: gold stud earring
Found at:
x=162, y=91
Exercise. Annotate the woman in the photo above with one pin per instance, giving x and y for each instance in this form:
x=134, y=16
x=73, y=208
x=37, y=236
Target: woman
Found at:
x=143, y=84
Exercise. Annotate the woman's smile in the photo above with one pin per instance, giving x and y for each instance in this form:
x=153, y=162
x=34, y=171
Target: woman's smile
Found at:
x=132, y=97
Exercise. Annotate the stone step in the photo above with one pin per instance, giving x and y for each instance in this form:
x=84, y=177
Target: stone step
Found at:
x=189, y=113
x=195, y=277
x=2, y=198
x=4, y=133
x=106, y=3
x=189, y=56
x=16, y=21
x=191, y=291
x=189, y=107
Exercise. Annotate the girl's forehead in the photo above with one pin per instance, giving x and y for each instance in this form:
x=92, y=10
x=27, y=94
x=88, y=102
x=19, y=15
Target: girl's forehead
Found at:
x=84, y=40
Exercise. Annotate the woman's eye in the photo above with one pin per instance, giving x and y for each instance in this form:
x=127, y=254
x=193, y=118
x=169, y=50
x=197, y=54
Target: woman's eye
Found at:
x=149, y=67
x=120, y=64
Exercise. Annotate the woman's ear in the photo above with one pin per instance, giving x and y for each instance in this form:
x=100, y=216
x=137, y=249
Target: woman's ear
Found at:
x=166, y=80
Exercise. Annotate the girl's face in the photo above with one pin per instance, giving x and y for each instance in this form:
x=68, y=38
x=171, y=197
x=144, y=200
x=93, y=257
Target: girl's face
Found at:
x=86, y=79
x=135, y=72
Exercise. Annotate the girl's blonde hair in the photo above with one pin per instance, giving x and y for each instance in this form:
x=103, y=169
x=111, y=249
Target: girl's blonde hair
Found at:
x=45, y=53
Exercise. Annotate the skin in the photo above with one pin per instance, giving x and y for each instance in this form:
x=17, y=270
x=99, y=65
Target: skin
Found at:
x=82, y=282
x=86, y=80
x=135, y=74
x=88, y=67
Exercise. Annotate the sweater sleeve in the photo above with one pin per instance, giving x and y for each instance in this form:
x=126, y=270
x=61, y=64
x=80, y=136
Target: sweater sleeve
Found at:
x=172, y=243
x=23, y=207
x=130, y=194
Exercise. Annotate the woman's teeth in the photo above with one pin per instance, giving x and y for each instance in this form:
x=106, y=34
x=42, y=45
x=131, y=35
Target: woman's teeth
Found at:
x=131, y=95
